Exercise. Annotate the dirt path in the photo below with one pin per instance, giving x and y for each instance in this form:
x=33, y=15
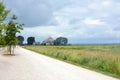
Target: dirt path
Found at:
x=27, y=65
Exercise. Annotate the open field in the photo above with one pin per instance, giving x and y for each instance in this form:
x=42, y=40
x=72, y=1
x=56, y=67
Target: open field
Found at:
x=102, y=58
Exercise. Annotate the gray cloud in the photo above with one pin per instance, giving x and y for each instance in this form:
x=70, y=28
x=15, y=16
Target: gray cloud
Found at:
x=34, y=12
x=87, y=20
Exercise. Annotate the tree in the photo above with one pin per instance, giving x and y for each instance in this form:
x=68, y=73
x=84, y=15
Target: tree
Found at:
x=61, y=41
x=3, y=15
x=48, y=41
x=20, y=40
x=12, y=29
x=3, y=12
x=30, y=40
x=8, y=30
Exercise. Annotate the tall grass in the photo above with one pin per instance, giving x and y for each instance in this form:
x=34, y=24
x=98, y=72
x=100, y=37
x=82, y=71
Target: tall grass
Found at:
x=105, y=58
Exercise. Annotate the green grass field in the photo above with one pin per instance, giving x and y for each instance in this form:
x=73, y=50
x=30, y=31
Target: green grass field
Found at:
x=101, y=58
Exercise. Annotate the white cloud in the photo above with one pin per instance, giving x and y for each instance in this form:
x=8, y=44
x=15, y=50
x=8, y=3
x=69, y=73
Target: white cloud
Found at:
x=61, y=21
x=112, y=33
x=45, y=31
x=90, y=21
x=78, y=20
x=100, y=5
x=106, y=3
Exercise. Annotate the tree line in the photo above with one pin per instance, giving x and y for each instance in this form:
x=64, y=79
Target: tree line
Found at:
x=49, y=41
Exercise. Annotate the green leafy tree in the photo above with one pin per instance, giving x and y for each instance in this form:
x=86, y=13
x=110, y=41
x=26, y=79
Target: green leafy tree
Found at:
x=61, y=41
x=12, y=29
x=3, y=15
x=30, y=40
x=20, y=40
x=8, y=30
x=3, y=12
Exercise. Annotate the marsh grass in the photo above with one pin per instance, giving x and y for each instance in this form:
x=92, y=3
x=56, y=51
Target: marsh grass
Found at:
x=103, y=58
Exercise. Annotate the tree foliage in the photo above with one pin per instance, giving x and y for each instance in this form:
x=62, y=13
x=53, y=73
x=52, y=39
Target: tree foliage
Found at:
x=3, y=15
x=12, y=29
x=3, y=12
x=20, y=40
x=30, y=40
x=61, y=41
x=48, y=41
x=9, y=29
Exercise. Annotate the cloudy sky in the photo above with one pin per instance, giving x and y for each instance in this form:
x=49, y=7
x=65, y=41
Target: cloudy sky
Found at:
x=81, y=21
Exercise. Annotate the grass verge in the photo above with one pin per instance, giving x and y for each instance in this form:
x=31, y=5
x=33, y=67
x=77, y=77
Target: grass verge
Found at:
x=101, y=58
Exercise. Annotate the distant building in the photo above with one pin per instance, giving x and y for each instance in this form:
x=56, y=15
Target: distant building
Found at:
x=48, y=41
x=36, y=43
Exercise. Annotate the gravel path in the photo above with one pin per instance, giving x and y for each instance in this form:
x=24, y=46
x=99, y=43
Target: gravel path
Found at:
x=28, y=65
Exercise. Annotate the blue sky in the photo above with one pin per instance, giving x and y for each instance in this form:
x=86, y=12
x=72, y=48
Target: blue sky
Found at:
x=81, y=21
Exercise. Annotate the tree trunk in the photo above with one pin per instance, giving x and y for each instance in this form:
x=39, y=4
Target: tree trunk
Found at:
x=10, y=49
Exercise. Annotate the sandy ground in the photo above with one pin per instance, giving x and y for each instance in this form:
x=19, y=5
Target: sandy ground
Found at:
x=28, y=65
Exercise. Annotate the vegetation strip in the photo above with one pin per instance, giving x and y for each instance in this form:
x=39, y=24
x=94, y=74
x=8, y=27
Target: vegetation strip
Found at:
x=102, y=58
